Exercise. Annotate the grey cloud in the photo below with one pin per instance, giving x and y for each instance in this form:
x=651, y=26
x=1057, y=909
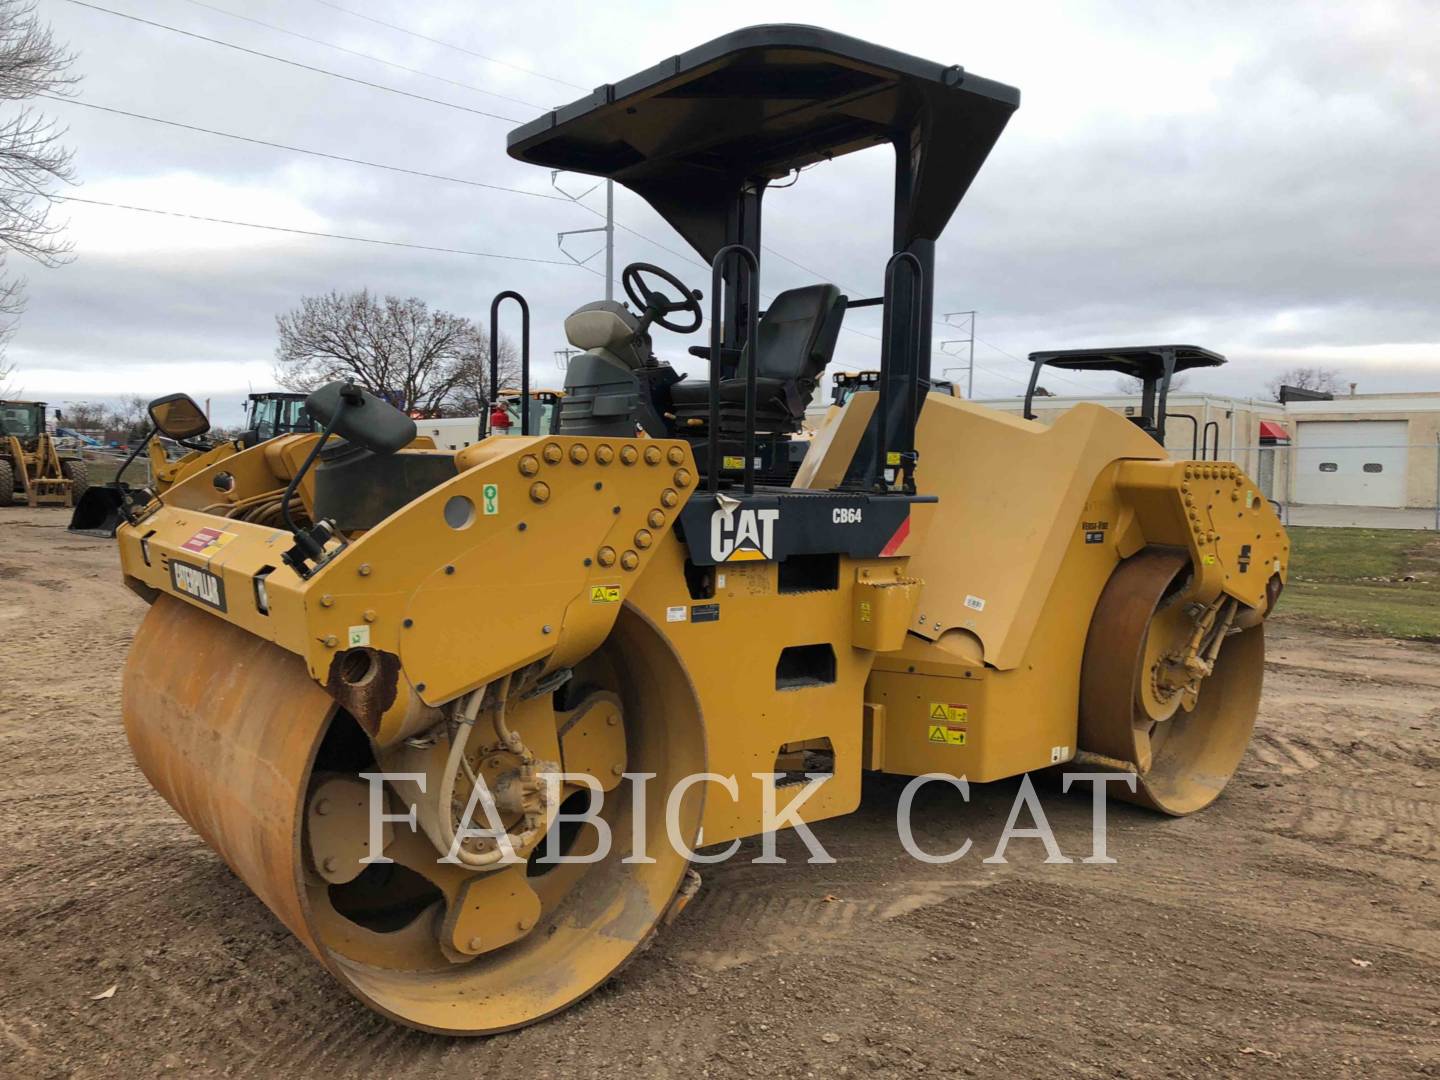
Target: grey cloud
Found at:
x=1306, y=187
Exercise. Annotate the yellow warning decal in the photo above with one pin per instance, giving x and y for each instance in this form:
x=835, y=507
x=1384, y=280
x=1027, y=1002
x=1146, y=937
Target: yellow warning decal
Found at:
x=892, y=457
x=604, y=594
x=732, y=461
x=947, y=736
x=949, y=714
x=864, y=610
x=1208, y=559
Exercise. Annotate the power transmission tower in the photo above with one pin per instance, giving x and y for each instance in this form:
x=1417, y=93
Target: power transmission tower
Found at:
x=967, y=323
x=608, y=229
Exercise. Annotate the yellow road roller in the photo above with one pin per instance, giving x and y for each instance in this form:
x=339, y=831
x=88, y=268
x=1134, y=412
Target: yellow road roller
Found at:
x=461, y=719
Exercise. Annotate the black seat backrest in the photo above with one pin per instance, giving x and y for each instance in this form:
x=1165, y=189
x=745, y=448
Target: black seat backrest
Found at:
x=797, y=334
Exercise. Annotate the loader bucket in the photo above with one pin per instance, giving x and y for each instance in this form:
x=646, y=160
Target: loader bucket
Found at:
x=99, y=512
x=239, y=739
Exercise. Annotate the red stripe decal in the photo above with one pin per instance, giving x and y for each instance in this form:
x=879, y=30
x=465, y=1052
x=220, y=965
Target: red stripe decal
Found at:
x=893, y=544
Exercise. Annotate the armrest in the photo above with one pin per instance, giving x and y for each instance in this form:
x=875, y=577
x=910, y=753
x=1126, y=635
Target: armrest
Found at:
x=726, y=354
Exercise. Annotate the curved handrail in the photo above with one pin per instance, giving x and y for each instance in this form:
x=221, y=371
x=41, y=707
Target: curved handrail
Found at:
x=1205, y=450
x=1194, y=432
x=509, y=294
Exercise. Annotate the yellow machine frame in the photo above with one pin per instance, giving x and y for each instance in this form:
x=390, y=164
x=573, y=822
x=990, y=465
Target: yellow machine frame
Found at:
x=971, y=640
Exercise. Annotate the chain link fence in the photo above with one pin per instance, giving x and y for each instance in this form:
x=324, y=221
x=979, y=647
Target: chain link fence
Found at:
x=102, y=465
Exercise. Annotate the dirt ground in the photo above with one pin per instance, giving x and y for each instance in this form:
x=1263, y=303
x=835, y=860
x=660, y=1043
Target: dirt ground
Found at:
x=1293, y=929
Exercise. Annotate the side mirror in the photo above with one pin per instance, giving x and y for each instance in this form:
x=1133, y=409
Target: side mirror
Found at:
x=177, y=416
x=361, y=418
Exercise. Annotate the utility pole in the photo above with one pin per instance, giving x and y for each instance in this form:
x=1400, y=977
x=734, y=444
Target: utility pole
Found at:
x=562, y=358
x=967, y=324
x=608, y=229
x=609, y=239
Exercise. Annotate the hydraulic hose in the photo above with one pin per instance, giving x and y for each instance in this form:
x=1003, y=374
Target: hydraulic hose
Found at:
x=468, y=713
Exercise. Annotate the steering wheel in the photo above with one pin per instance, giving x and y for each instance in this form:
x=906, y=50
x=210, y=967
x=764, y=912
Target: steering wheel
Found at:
x=655, y=305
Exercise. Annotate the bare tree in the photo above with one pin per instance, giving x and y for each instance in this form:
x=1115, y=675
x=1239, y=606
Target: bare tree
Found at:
x=131, y=416
x=88, y=416
x=32, y=159
x=472, y=395
x=7, y=375
x=417, y=358
x=1319, y=379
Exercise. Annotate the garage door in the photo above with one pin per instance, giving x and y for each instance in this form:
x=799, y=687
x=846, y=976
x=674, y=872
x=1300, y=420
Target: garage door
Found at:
x=1351, y=462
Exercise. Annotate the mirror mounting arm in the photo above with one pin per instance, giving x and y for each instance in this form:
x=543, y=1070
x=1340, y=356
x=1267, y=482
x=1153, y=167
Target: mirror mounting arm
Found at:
x=140, y=446
x=310, y=543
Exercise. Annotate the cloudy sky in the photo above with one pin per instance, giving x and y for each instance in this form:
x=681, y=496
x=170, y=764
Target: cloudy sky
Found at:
x=1259, y=178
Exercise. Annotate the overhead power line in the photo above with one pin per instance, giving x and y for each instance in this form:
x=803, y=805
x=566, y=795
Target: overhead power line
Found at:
x=493, y=60
x=786, y=258
x=449, y=45
x=387, y=89
x=389, y=168
x=358, y=161
x=303, y=150
x=307, y=232
x=1001, y=374
x=364, y=56
x=997, y=348
x=293, y=63
x=1052, y=374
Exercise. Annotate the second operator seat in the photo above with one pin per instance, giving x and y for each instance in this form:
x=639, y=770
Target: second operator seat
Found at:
x=796, y=339
x=607, y=385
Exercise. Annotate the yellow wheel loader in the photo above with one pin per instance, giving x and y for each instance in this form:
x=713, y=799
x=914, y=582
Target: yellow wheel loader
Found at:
x=268, y=415
x=460, y=718
x=31, y=467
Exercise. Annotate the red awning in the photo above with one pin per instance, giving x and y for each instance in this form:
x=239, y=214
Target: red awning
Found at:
x=1270, y=429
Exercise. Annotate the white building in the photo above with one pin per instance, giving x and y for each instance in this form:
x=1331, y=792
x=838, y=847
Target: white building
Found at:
x=1366, y=450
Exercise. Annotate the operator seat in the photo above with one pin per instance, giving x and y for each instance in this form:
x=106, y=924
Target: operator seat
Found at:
x=796, y=339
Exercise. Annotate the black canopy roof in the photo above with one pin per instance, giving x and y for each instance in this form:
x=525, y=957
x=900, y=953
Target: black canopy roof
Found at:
x=690, y=133
x=1142, y=361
